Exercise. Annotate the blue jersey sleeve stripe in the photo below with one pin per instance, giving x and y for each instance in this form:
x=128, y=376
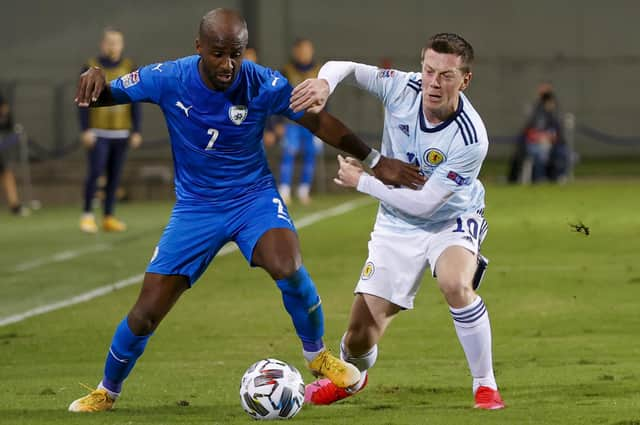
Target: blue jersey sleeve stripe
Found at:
x=464, y=123
x=473, y=128
x=464, y=136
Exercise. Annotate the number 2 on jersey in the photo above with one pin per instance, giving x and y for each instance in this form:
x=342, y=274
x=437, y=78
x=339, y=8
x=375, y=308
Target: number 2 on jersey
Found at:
x=214, y=136
x=282, y=213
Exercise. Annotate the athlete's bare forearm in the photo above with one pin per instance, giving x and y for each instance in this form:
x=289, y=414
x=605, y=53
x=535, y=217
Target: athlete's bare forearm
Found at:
x=333, y=132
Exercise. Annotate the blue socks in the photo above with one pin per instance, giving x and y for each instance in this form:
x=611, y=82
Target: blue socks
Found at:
x=303, y=304
x=301, y=301
x=125, y=350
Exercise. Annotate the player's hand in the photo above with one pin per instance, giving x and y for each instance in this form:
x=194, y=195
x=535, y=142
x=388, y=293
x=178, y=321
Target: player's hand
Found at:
x=135, y=140
x=88, y=139
x=90, y=85
x=394, y=172
x=311, y=95
x=349, y=172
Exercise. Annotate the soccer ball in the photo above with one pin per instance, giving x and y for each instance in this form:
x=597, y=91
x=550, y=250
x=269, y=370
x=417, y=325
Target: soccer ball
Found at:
x=271, y=389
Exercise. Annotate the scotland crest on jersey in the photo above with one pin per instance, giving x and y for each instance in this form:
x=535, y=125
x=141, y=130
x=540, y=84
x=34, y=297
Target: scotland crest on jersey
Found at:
x=238, y=113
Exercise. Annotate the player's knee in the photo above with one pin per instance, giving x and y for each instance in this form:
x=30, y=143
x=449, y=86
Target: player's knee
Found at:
x=143, y=321
x=455, y=288
x=300, y=286
x=282, y=267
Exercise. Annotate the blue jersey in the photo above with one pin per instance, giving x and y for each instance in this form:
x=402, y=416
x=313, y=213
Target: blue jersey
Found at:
x=216, y=136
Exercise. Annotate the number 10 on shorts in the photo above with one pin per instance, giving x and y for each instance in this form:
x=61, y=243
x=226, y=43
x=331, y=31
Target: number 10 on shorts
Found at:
x=471, y=226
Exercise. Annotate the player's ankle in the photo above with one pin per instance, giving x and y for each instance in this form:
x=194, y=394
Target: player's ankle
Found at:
x=312, y=351
x=484, y=382
x=109, y=389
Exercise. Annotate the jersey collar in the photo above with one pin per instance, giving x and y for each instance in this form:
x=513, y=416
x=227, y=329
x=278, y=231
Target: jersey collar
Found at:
x=423, y=124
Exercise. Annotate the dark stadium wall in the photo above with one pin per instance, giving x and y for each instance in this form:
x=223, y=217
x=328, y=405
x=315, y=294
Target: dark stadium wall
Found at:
x=588, y=50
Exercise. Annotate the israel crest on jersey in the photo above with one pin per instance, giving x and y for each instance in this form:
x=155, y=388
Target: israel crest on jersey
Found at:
x=238, y=113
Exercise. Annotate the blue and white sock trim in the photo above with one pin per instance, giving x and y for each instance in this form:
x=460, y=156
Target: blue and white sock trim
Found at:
x=469, y=315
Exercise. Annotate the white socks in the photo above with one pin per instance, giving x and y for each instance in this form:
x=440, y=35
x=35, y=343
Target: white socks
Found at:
x=111, y=393
x=474, y=332
x=363, y=363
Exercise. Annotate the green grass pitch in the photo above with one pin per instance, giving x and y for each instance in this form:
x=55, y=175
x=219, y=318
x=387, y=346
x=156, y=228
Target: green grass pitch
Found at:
x=564, y=310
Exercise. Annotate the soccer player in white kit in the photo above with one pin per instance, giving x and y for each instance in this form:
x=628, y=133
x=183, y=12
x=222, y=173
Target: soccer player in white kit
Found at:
x=431, y=123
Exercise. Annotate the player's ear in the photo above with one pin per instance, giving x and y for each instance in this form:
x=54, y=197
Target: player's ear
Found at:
x=198, y=46
x=466, y=80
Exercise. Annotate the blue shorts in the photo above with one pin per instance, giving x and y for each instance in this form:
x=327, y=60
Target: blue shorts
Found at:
x=197, y=230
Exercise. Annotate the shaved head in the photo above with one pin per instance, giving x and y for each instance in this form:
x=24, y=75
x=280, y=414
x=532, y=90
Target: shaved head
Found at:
x=220, y=24
x=222, y=39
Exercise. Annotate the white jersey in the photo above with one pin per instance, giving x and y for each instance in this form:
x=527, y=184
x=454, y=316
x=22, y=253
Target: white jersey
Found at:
x=451, y=151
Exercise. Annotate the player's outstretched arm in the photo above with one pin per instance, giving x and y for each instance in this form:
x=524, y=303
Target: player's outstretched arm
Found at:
x=333, y=132
x=420, y=203
x=93, y=89
x=312, y=94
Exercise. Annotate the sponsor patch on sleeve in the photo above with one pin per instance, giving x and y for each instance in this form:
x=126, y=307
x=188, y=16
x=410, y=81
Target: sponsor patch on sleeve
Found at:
x=458, y=179
x=386, y=73
x=130, y=79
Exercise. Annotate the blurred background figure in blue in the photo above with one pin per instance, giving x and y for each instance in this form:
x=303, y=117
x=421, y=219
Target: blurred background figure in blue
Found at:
x=297, y=138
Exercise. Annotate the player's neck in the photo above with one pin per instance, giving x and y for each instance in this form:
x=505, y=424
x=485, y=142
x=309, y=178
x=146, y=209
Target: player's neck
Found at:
x=437, y=116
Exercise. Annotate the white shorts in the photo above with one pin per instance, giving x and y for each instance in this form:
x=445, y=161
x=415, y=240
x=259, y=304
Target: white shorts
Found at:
x=397, y=261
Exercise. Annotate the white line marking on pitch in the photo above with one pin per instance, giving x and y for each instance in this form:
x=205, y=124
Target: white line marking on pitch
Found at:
x=59, y=257
x=227, y=249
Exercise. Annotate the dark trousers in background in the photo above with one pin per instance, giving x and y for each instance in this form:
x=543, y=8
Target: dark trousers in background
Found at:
x=107, y=157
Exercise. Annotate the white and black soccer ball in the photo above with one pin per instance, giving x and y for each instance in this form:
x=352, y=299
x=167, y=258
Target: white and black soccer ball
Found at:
x=271, y=389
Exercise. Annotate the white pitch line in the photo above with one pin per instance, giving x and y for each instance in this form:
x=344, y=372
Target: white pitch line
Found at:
x=59, y=257
x=98, y=292
x=227, y=249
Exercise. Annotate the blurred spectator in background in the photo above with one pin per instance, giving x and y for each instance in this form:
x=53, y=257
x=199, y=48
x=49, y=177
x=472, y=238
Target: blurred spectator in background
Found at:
x=251, y=54
x=541, y=153
x=107, y=133
x=296, y=137
x=7, y=146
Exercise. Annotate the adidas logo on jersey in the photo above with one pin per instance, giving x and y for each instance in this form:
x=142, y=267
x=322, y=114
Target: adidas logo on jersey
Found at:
x=404, y=128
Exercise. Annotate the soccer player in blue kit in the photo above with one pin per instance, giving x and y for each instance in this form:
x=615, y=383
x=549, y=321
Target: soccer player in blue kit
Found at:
x=215, y=106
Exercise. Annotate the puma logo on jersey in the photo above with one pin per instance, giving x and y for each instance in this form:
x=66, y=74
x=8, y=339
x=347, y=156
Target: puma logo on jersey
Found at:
x=157, y=68
x=275, y=80
x=184, y=108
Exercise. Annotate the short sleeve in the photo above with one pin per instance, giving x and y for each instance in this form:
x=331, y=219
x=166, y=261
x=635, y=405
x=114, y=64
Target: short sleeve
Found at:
x=142, y=85
x=280, y=95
